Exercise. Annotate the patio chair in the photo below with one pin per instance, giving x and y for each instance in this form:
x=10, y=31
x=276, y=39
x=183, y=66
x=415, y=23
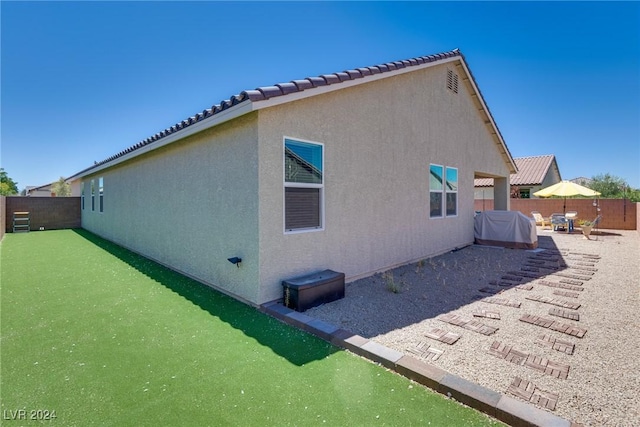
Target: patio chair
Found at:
x=595, y=222
x=558, y=221
x=571, y=217
x=540, y=220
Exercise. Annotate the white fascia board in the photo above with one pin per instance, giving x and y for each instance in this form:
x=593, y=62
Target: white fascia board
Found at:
x=307, y=93
x=219, y=118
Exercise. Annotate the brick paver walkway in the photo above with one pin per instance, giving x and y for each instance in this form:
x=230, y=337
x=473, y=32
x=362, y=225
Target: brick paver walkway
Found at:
x=554, y=325
x=472, y=325
x=426, y=351
x=559, y=285
x=556, y=344
x=566, y=314
x=490, y=290
x=554, y=301
x=572, y=276
x=502, y=301
x=541, y=364
x=566, y=294
x=487, y=313
x=531, y=393
x=443, y=336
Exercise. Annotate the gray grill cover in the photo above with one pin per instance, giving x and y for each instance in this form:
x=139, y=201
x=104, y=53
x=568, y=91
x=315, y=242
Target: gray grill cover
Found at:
x=510, y=229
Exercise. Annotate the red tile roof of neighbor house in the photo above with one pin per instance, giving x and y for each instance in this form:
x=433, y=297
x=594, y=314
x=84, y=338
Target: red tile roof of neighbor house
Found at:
x=531, y=171
x=264, y=93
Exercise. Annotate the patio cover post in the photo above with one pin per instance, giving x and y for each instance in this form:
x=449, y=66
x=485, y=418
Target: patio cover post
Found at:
x=501, y=194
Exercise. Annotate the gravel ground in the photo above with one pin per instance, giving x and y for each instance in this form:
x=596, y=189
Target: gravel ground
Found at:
x=603, y=384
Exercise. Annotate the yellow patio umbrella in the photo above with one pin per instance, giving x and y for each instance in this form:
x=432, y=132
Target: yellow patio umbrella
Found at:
x=566, y=188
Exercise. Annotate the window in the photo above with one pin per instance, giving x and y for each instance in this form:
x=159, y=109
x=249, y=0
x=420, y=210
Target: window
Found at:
x=525, y=193
x=101, y=193
x=435, y=190
x=303, y=185
x=93, y=195
x=443, y=191
x=82, y=195
x=451, y=189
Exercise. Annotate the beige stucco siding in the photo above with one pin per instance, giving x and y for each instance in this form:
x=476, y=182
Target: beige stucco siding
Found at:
x=190, y=205
x=379, y=139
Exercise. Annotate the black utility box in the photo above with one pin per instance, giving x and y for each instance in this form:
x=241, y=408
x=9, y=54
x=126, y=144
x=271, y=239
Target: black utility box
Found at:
x=312, y=290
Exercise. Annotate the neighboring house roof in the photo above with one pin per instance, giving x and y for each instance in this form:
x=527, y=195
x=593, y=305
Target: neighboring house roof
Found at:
x=531, y=171
x=46, y=187
x=267, y=96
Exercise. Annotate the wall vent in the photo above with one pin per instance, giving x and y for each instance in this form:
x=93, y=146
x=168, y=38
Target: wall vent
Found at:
x=452, y=81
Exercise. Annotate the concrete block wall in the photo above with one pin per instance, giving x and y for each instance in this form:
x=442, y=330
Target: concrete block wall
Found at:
x=638, y=217
x=617, y=214
x=49, y=212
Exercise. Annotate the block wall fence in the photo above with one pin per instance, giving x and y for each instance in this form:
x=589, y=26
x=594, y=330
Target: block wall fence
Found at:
x=3, y=212
x=52, y=213
x=617, y=214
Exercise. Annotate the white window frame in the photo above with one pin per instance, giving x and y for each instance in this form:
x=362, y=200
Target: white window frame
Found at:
x=82, y=195
x=287, y=184
x=441, y=191
x=444, y=191
x=101, y=194
x=447, y=191
x=93, y=195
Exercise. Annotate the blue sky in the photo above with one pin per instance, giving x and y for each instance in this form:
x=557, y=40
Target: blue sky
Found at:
x=83, y=81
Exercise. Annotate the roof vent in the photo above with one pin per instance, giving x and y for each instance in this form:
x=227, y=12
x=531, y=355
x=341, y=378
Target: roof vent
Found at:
x=452, y=81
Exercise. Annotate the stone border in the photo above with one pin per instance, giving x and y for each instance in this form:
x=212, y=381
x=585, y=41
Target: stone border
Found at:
x=500, y=406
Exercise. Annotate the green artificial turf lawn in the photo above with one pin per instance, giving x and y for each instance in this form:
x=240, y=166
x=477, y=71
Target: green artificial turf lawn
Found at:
x=105, y=337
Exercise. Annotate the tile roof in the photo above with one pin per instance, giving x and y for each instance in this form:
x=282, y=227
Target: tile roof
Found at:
x=264, y=93
x=531, y=171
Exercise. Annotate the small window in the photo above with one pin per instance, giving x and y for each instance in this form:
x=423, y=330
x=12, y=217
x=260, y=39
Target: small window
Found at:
x=93, y=195
x=82, y=195
x=101, y=193
x=435, y=190
x=303, y=185
x=443, y=191
x=525, y=193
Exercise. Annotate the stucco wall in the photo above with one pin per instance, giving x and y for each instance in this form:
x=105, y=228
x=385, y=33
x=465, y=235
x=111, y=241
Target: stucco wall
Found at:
x=190, y=205
x=379, y=139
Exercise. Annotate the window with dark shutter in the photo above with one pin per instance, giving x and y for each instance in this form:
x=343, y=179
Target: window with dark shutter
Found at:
x=302, y=208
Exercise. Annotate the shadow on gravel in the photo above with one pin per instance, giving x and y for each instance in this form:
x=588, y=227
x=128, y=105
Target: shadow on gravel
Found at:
x=412, y=293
